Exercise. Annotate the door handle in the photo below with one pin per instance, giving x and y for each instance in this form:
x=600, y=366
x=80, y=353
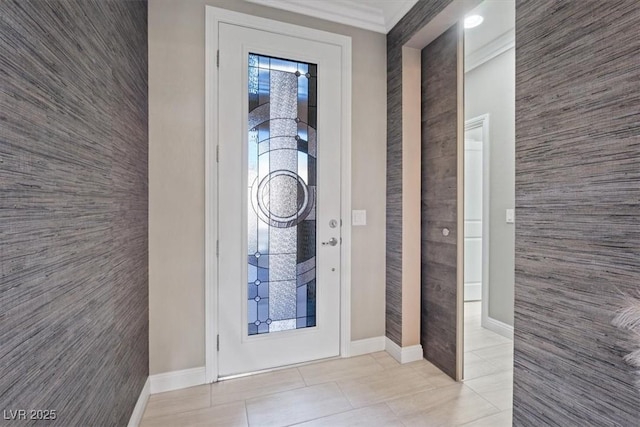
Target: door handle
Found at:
x=332, y=242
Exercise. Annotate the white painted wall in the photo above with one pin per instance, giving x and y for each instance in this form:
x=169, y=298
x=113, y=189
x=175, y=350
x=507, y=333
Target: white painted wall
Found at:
x=490, y=88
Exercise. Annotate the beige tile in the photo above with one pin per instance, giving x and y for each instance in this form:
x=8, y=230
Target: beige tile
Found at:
x=231, y=415
x=491, y=382
x=472, y=308
x=435, y=376
x=496, y=388
x=499, y=355
x=501, y=350
x=476, y=340
x=370, y=416
x=472, y=318
x=501, y=419
x=475, y=314
x=471, y=356
x=441, y=380
x=378, y=354
x=427, y=400
x=425, y=367
x=475, y=367
x=486, y=333
x=337, y=369
x=504, y=363
x=473, y=327
x=389, y=384
x=501, y=399
x=174, y=402
x=386, y=360
x=255, y=386
x=296, y=406
x=448, y=406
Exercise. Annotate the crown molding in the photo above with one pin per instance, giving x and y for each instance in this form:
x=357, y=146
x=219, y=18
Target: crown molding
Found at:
x=392, y=20
x=348, y=12
x=490, y=50
x=340, y=11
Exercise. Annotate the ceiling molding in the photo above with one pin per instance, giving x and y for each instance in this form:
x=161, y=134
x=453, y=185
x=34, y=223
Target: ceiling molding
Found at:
x=490, y=50
x=402, y=10
x=349, y=12
x=343, y=12
x=441, y=22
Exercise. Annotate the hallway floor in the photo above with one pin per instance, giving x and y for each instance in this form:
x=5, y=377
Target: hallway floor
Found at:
x=488, y=365
x=369, y=390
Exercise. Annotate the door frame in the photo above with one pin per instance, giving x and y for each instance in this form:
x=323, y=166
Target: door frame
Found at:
x=213, y=17
x=483, y=122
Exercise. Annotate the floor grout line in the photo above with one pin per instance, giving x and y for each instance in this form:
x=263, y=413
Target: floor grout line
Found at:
x=343, y=412
x=267, y=394
x=145, y=416
x=345, y=396
x=246, y=411
x=303, y=378
x=486, y=400
x=480, y=419
x=329, y=415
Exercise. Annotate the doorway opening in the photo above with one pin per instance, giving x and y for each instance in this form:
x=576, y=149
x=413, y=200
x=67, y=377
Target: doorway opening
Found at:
x=489, y=200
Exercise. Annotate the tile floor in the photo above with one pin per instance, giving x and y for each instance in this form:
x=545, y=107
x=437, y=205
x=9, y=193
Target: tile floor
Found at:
x=488, y=365
x=369, y=390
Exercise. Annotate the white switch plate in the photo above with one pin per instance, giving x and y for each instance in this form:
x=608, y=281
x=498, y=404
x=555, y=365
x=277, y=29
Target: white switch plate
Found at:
x=358, y=217
x=511, y=216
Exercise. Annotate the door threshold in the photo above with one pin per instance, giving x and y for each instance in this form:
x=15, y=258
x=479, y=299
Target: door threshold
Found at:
x=279, y=368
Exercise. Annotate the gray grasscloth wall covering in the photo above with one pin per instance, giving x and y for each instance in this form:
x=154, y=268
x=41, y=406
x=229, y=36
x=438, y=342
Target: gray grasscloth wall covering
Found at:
x=73, y=208
x=578, y=210
x=423, y=12
x=439, y=285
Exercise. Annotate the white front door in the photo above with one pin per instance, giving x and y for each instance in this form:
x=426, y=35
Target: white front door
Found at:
x=279, y=125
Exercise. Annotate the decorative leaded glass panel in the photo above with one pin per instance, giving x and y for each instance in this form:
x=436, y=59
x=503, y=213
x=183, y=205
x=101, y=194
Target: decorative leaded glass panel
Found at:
x=282, y=195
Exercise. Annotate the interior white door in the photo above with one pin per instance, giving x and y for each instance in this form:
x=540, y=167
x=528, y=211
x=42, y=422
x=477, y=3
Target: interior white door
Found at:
x=279, y=199
x=473, y=209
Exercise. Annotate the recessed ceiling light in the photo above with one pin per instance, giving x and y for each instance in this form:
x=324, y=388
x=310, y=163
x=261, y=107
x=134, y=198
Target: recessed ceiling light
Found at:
x=473, y=21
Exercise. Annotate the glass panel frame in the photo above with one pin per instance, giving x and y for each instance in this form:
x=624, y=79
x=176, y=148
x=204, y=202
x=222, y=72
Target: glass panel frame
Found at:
x=281, y=190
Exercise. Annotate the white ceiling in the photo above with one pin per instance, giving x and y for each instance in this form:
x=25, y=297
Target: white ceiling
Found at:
x=382, y=15
x=499, y=18
x=374, y=15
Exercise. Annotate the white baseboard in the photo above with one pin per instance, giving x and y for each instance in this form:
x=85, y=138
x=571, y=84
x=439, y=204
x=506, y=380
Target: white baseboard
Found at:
x=141, y=404
x=498, y=327
x=366, y=346
x=177, y=380
x=403, y=354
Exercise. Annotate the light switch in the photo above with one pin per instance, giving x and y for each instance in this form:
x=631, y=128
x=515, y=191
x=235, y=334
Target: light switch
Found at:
x=358, y=217
x=511, y=216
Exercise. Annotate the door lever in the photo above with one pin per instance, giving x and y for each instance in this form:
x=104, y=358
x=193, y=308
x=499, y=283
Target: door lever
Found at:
x=332, y=242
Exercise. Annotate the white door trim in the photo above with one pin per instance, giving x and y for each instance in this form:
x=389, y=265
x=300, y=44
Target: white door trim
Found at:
x=483, y=122
x=215, y=16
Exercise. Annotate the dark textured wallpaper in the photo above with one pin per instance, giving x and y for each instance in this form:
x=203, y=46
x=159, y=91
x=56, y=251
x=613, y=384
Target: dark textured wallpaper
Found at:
x=578, y=210
x=73, y=209
x=419, y=15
